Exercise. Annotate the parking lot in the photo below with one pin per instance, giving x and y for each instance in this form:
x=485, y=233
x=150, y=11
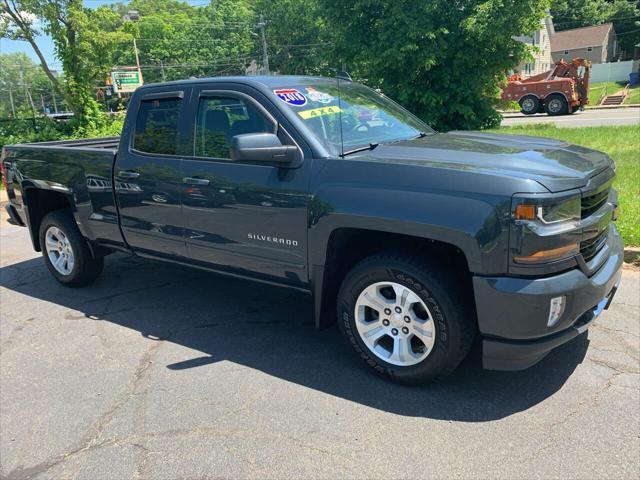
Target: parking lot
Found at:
x=158, y=371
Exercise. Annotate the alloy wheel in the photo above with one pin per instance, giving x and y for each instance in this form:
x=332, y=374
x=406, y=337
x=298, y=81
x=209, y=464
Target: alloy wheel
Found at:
x=59, y=250
x=395, y=323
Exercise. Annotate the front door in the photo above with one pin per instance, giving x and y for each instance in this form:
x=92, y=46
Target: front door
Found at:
x=250, y=217
x=148, y=176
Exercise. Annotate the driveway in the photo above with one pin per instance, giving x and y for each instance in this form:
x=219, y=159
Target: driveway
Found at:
x=586, y=118
x=158, y=371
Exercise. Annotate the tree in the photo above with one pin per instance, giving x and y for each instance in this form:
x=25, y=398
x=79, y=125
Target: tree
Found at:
x=18, y=22
x=443, y=60
x=569, y=14
x=624, y=14
x=176, y=40
x=20, y=77
x=81, y=43
x=298, y=40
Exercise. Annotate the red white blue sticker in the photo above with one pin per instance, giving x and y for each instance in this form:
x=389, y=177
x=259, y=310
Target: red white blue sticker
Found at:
x=291, y=96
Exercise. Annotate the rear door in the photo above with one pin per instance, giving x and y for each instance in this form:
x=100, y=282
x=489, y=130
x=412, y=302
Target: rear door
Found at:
x=248, y=218
x=148, y=174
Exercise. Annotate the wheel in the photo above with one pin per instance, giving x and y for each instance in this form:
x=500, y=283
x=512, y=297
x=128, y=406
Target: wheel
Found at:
x=556, y=104
x=405, y=318
x=529, y=104
x=66, y=252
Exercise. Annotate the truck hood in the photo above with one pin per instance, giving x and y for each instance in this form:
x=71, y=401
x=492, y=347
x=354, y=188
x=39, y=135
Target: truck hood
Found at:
x=554, y=164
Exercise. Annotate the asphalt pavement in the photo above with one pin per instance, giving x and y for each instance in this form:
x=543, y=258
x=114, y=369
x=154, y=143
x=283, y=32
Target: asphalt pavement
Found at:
x=586, y=118
x=157, y=371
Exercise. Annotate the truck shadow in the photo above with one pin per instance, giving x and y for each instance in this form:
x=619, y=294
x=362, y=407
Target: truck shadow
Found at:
x=271, y=330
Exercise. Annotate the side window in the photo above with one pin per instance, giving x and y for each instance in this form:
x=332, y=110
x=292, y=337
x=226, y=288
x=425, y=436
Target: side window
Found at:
x=157, y=126
x=219, y=119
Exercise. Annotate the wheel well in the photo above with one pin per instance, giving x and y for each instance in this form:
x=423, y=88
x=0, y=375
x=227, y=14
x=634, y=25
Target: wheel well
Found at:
x=348, y=246
x=39, y=203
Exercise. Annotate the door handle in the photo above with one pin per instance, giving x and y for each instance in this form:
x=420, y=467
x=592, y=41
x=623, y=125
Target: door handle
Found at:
x=128, y=174
x=196, y=181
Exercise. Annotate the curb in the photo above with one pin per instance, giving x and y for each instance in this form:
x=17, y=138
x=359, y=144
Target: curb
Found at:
x=612, y=107
x=517, y=113
x=632, y=255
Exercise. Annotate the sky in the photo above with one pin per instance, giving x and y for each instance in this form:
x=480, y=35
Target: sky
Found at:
x=45, y=43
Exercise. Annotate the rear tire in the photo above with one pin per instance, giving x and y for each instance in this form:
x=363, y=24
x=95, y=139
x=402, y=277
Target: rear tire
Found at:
x=407, y=318
x=529, y=104
x=66, y=252
x=555, y=104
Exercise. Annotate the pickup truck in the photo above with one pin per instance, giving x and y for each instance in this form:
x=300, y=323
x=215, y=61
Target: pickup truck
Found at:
x=414, y=242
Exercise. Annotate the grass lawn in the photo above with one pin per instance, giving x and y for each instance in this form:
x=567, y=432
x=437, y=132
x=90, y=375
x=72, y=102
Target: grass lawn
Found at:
x=623, y=145
x=596, y=91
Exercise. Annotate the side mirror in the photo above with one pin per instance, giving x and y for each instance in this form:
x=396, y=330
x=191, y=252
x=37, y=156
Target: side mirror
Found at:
x=261, y=147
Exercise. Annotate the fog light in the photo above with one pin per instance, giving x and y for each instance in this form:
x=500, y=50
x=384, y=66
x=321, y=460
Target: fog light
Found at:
x=556, y=309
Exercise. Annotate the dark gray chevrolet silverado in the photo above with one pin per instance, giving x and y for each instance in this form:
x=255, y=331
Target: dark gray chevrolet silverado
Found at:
x=415, y=241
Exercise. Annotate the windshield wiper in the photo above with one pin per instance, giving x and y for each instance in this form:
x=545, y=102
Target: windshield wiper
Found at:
x=371, y=146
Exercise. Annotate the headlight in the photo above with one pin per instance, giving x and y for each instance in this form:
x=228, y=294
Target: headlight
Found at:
x=545, y=229
x=568, y=211
x=549, y=213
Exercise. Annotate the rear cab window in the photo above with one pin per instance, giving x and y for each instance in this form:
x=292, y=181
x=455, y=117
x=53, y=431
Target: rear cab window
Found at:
x=157, y=129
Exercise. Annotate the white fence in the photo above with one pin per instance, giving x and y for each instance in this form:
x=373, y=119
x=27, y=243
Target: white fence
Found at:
x=611, y=72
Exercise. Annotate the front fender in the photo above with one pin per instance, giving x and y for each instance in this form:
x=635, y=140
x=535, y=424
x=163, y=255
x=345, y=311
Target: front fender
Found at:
x=477, y=226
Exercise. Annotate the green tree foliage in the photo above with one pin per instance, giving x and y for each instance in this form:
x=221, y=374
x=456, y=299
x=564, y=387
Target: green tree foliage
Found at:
x=624, y=14
x=443, y=60
x=177, y=41
x=20, y=77
x=299, y=41
x=81, y=43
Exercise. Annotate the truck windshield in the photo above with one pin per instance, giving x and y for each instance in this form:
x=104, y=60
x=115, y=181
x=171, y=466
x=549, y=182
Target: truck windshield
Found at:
x=367, y=116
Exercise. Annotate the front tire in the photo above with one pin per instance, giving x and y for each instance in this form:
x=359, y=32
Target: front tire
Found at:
x=406, y=318
x=529, y=105
x=66, y=253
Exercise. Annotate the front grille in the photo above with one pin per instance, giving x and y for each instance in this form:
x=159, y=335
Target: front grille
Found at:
x=592, y=203
x=589, y=248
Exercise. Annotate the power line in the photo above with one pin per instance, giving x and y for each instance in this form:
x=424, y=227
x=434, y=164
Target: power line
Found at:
x=577, y=20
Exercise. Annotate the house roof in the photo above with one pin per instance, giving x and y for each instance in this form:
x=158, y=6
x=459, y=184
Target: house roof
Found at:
x=580, y=37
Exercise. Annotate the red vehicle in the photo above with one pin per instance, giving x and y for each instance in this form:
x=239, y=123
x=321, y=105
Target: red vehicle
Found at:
x=560, y=91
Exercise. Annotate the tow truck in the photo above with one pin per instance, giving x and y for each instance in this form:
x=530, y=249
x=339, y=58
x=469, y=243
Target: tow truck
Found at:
x=560, y=91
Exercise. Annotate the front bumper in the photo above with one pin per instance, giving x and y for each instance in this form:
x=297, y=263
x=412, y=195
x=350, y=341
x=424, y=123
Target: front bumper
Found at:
x=513, y=312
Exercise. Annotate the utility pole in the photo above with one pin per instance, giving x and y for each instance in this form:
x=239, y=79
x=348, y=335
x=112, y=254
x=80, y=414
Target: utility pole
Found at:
x=33, y=108
x=164, y=77
x=265, y=54
x=30, y=99
x=13, y=108
x=135, y=50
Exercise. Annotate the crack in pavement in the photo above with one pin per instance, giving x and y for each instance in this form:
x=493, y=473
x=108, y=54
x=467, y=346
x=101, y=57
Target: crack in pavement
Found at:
x=92, y=439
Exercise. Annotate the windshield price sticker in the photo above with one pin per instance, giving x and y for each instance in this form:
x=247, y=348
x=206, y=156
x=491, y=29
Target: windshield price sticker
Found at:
x=291, y=96
x=319, y=112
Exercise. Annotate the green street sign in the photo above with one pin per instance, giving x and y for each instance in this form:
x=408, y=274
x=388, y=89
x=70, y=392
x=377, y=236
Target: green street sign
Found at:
x=126, y=81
